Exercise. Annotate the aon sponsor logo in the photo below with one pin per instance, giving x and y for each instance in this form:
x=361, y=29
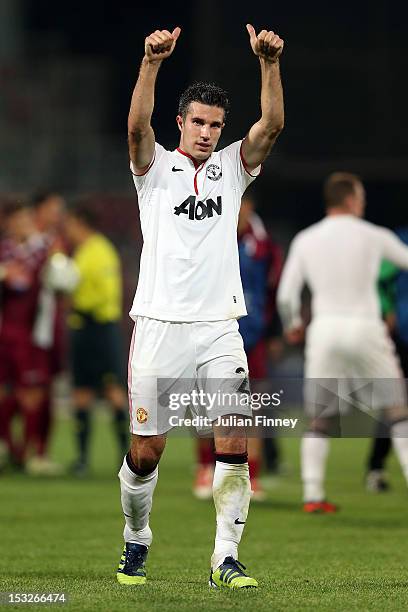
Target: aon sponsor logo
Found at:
x=198, y=210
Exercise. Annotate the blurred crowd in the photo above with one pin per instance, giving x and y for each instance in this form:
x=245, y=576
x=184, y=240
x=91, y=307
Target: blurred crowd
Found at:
x=61, y=309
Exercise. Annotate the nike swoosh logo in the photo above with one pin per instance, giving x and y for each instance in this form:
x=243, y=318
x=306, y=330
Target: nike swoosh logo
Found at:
x=238, y=522
x=174, y=169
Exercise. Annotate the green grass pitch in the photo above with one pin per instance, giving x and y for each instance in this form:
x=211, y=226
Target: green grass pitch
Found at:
x=66, y=535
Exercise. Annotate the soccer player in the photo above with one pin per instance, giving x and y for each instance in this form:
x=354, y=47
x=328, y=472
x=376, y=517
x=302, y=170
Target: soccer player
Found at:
x=95, y=336
x=393, y=286
x=24, y=365
x=339, y=259
x=189, y=293
x=48, y=208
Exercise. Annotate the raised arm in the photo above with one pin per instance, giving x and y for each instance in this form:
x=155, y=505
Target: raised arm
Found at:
x=158, y=46
x=259, y=141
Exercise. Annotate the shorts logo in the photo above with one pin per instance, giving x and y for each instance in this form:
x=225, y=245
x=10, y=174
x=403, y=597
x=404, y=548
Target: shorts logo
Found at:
x=214, y=172
x=141, y=415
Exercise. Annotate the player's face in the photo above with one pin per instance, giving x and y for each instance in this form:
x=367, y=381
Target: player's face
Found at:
x=201, y=129
x=51, y=212
x=20, y=226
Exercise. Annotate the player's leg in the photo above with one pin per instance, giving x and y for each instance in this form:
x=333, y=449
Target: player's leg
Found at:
x=223, y=370
x=10, y=451
x=83, y=399
x=45, y=424
x=398, y=419
x=323, y=364
x=204, y=475
x=382, y=444
x=36, y=365
x=30, y=400
x=156, y=346
x=232, y=494
x=255, y=445
x=314, y=451
x=381, y=363
x=257, y=365
x=138, y=478
x=112, y=376
x=85, y=355
x=380, y=450
x=117, y=398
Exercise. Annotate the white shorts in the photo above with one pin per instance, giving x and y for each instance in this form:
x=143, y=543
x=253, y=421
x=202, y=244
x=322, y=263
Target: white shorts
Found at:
x=169, y=359
x=360, y=359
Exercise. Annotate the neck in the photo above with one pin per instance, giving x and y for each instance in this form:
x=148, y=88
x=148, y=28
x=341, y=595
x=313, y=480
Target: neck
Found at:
x=336, y=211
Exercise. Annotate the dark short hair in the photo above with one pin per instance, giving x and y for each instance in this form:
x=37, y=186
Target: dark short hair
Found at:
x=205, y=93
x=338, y=186
x=83, y=212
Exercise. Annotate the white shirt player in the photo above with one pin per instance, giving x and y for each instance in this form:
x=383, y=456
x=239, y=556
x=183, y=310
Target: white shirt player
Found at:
x=339, y=259
x=189, y=267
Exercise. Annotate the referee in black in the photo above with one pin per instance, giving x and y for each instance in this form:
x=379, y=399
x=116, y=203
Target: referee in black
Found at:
x=95, y=336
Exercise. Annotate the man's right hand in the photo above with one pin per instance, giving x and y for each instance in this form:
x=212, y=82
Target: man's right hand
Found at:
x=160, y=45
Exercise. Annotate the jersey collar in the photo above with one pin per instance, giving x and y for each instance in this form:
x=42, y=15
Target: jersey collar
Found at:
x=196, y=163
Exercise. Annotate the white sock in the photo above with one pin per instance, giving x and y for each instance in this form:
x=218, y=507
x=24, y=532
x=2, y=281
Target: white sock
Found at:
x=231, y=492
x=314, y=451
x=136, y=497
x=399, y=434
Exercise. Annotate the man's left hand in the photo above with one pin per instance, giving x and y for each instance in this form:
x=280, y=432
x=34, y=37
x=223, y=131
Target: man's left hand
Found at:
x=267, y=45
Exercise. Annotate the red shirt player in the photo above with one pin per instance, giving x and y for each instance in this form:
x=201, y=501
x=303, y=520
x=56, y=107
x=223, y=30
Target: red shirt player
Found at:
x=24, y=366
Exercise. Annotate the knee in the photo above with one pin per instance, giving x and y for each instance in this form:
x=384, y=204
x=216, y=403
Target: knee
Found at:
x=145, y=453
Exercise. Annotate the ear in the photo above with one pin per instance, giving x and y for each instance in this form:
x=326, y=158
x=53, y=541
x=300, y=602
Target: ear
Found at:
x=179, y=120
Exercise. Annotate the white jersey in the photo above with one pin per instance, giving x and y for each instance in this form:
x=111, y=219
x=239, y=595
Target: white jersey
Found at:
x=339, y=259
x=189, y=267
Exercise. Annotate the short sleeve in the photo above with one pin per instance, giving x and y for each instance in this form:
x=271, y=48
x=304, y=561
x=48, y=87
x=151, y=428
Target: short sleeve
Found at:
x=143, y=182
x=234, y=153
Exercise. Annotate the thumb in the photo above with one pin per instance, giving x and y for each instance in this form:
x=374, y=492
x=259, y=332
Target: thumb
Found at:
x=251, y=31
x=176, y=33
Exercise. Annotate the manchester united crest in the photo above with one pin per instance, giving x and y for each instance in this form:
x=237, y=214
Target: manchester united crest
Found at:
x=141, y=415
x=214, y=172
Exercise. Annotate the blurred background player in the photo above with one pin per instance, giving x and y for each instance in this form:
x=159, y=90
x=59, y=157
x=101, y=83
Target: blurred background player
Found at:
x=260, y=263
x=339, y=258
x=25, y=364
x=375, y=478
x=95, y=335
x=393, y=287
x=48, y=210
